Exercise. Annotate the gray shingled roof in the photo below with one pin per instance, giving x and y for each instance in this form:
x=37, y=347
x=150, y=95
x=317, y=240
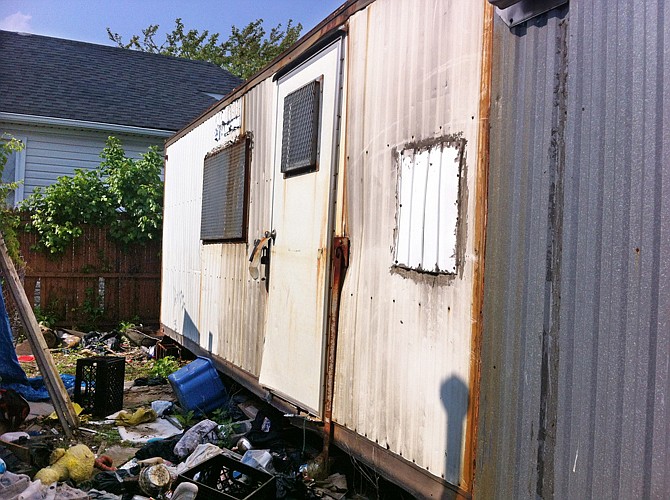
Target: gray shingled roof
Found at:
x=59, y=78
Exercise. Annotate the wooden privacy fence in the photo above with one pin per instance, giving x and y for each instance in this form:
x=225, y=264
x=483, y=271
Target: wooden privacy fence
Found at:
x=96, y=282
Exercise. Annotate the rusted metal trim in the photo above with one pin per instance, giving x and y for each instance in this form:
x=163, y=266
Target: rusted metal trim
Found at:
x=311, y=51
x=481, y=214
x=242, y=377
x=340, y=264
x=394, y=468
x=335, y=21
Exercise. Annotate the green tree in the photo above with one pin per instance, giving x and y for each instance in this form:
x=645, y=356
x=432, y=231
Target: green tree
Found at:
x=9, y=220
x=245, y=51
x=122, y=193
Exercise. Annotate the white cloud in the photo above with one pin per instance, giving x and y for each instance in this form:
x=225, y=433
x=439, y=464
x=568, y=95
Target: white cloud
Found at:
x=16, y=22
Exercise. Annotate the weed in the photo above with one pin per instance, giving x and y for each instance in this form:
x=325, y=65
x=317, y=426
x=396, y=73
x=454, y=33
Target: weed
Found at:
x=46, y=317
x=164, y=367
x=186, y=419
x=221, y=416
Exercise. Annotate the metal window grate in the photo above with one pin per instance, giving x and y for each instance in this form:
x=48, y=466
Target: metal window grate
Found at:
x=300, y=136
x=224, y=193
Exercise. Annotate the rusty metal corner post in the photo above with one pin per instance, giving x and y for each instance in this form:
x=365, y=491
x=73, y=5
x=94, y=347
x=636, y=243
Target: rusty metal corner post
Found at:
x=59, y=397
x=481, y=197
x=339, y=263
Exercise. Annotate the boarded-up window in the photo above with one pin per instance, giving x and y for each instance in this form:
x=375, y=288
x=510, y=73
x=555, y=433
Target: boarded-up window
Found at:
x=300, y=136
x=428, y=207
x=225, y=193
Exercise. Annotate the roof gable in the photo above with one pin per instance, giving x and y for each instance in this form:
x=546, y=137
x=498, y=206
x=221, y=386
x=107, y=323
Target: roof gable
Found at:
x=59, y=78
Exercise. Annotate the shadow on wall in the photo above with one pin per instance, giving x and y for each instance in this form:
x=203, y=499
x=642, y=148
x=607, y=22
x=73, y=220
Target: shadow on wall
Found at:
x=454, y=396
x=189, y=329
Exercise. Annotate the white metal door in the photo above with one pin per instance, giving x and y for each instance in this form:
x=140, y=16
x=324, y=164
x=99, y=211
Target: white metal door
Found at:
x=293, y=354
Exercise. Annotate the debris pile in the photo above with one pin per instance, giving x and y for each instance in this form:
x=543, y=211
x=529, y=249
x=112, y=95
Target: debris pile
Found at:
x=189, y=438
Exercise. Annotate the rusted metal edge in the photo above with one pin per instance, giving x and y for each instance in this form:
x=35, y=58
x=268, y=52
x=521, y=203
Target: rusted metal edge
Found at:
x=394, y=468
x=322, y=43
x=340, y=264
x=333, y=22
x=481, y=214
x=242, y=377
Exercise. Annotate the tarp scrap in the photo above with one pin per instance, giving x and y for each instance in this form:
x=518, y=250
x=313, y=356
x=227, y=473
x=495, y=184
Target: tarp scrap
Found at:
x=10, y=369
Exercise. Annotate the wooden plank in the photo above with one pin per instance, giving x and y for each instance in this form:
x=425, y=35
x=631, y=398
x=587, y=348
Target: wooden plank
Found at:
x=59, y=397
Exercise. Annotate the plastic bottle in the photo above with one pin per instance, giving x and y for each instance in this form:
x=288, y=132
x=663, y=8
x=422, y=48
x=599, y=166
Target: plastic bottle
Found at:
x=3, y=466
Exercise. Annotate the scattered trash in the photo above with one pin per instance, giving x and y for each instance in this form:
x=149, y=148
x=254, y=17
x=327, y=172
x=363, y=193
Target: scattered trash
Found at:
x=242, y=450
x=140, y=416
x=335, y=486
x=155, y=480
x=202, y=432
x=259, y=459
x=160, y=407
x=34, y=389
x=76, y=463
x=104, y=462
x=13, y=410
x=198, y=387
x=11, y=437
x=243, y=445
x=215, y=479
x=143, y=433
x=99, y=384
x=77, y=409
x=202, y=453
x=185, y=491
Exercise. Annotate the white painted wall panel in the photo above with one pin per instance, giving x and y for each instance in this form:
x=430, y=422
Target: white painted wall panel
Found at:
x=207, y=293
x=404, y=345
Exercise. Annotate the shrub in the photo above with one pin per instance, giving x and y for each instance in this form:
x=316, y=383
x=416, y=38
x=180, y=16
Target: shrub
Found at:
x=122, y=193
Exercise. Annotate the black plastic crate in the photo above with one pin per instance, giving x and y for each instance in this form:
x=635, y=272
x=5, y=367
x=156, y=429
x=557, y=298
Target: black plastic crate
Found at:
x=98, y=385
x=223, y=477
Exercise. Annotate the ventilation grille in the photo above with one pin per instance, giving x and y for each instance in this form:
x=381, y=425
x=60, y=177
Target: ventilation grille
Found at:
x=301, y=129
x=224, y=194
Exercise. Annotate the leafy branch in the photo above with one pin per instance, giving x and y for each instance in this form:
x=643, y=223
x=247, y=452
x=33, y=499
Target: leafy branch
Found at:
x=245, y=51
x=122, y=193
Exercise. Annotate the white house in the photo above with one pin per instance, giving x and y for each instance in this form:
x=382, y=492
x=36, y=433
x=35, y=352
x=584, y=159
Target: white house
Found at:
x=63, y=98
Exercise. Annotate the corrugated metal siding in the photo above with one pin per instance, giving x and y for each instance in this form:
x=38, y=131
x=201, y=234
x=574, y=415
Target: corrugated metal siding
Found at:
x=613, y=436
x=53, y=152
x=208, y=295
x=525, y=65
x=607, y=435
x=403, y=354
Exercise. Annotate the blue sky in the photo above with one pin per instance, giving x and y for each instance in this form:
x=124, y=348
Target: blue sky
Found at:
x=87, y=20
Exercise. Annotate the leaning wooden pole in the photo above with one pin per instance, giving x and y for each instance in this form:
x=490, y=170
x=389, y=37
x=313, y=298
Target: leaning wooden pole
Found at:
x=45, y=362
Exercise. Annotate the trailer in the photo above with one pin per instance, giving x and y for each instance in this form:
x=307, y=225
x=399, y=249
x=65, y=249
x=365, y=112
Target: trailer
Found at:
x=326, y=227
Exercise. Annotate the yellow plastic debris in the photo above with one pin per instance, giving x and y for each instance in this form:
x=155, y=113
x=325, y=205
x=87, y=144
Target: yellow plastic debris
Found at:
x=141, y=416
x=77, y=409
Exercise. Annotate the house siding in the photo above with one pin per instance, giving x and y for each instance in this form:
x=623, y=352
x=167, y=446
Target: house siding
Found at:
x=53, y=152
